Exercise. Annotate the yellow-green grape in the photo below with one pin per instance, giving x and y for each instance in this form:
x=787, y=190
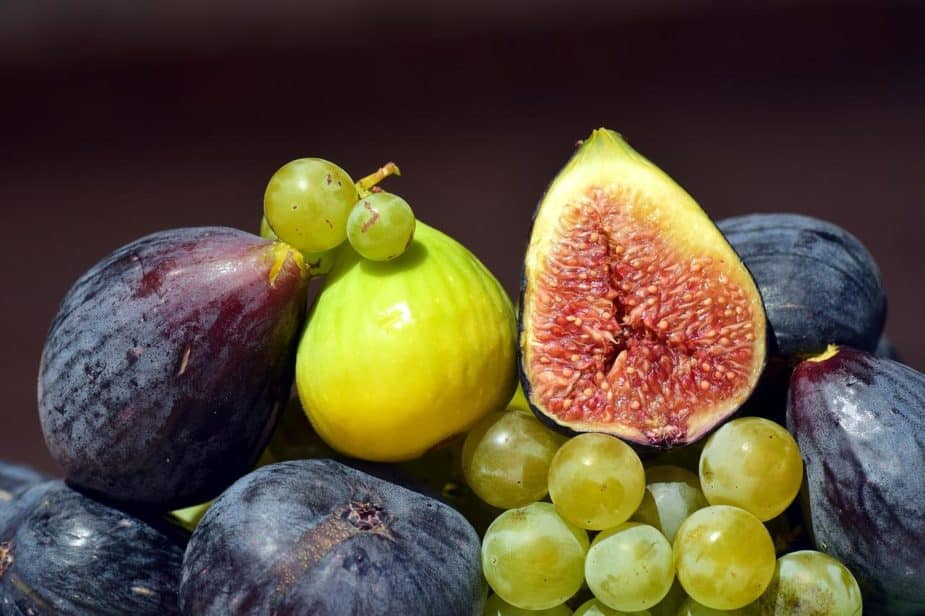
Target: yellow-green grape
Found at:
x=593, y=607
x=189, y=517
x=630, y=567
x=318, y=263
x=670, y=605
x=496, y=606
x=672, y=494
x=532, y=558
x=810, y=583
x=692, y=608
x=380, y=226
x=724, y=557
x=307, y=203
x=596, y=481
x=506, y=458
x=752, y=463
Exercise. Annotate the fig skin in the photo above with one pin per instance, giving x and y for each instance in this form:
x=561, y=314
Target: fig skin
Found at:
x=860, y=423
x=64, y=553
x=667, y=217
x=820, y=285
x=316, y=537
x=16, y=479
x=166, y=365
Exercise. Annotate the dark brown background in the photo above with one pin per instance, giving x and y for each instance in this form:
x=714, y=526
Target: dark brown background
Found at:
x=118, y=122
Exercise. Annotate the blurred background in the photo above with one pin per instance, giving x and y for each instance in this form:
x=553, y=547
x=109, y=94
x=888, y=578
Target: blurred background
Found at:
x=120, y=119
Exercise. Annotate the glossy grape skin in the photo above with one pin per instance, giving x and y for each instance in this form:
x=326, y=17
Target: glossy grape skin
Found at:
x=596, y=481
x=671, y=603
x=630, y=567
x=532, y=558
x=318, y=263
x=752, y=463
x=506, y=458
x=724, y=557
x=692, y=608
x=672, y=494
x=810, y=583
x=593, y=607
x=307, y=202
x=380, y=226
x=496, y=606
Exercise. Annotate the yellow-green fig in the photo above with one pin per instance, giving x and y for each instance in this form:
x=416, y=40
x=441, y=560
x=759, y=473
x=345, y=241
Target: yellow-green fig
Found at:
x=401, y=355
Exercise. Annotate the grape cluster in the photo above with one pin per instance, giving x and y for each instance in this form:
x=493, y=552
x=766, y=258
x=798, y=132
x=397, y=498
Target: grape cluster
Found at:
x=314, y=205
x=651, y=538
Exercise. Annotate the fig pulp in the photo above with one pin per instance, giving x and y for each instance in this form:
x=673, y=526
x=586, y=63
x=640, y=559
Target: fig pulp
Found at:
x=64, y=553
x=819, y=284
x=860, y=423
x=637, y=317
x=319, y=538
x=167, y=362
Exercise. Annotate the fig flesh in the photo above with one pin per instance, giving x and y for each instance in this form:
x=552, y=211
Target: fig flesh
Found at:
x=166, y=365
x=819, y=284
x=637, y=318
x=64, y=553
x=319, y=538
x=860, y=423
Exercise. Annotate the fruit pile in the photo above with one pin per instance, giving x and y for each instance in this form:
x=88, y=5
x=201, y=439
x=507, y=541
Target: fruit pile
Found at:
x=708, y=419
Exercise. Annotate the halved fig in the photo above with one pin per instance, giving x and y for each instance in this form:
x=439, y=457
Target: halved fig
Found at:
x=637, y=318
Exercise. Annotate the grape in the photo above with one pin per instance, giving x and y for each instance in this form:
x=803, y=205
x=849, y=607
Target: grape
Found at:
x=307, y=203
x=752, y=463
x=724, y=557
x=672, y=494
x=318, y=263
x=506, y=458
x=630, y=567
x=692, y=608
x=670, y=605
x=380, y=226
x=810, y=583
x=532, y=558
x=596, y=481
x=594, y=607
x=496, y=606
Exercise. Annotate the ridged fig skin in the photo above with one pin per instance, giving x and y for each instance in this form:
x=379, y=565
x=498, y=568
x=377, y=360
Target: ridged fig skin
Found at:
x=16, y=479
x=860, y=423
x=316, y=537
x=820, y=285
x=167, y=363
x=64, y=553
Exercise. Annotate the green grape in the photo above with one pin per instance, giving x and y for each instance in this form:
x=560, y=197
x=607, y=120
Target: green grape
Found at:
x=670, y=605
x=593, y=607
x=307, y=203
x=672, y=494
x=752, y=463
x=692, y=608
x=810, y=583
x=380, y=226
x=506, y=458
x=630, y=567
x=496, y=606
x=596, y=481
x=532, y=558
x=724, y=557
x=318, y=263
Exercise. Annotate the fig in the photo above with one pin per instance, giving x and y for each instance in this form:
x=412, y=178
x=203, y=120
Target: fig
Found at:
x=16, y=479
x=319, y=538
x=820, y=285
x=399, y=356
x=167, y=363
x=64, y=553
x=860, y=423
x=637, y=318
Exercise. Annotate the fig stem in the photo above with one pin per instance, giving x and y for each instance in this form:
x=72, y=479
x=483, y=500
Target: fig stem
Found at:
x=366, y=184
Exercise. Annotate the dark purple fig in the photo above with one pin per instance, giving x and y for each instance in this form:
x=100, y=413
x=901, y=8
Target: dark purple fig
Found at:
x=167, y=362
x=319, y=538
x=64, y=553
x=819, y=284
x=860, y=423
x=16, y=479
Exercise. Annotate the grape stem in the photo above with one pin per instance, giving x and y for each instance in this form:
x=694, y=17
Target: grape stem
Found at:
x=365, y=185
